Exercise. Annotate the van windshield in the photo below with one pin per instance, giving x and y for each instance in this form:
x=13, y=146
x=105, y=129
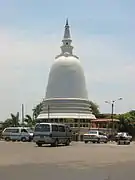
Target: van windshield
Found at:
x=42, y=128
x=92, y=132
x=11, y=130
x=30, y=130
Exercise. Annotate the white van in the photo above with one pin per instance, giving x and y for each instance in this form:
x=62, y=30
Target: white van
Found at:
x=52, y=133
x=17, y=134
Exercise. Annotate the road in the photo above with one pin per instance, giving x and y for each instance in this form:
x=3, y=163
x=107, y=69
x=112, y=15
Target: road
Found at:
x=19, y=161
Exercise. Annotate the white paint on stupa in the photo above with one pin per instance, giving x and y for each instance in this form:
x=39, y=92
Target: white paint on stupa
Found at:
x=66, y=93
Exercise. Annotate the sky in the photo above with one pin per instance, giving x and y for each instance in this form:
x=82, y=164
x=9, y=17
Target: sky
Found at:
x=103, y=34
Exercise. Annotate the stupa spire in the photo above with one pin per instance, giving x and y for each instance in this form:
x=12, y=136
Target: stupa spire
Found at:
x=67, y=31
x=67, y=22
x=66, y=48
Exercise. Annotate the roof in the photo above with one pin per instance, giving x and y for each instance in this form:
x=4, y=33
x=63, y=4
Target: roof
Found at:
x=15, y=127
x=105, y=120
x=60, y=124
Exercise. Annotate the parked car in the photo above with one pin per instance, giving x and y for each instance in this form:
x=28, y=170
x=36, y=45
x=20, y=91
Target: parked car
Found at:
x=123, y=135
x=52, y=133
x=17, y=134
x=95, y=136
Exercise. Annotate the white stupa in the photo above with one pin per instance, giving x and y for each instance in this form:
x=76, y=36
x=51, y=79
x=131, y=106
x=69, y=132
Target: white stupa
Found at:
x=66, y=93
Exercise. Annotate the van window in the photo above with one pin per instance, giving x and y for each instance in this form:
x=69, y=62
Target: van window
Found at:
x=42, y=128
x=29, y=130
x=7, y=130
x=54, y=128
x=68, y=129
x=12, y=130
x=24, y=130
x=101, y=133
x=61, y=128
x=92, y=132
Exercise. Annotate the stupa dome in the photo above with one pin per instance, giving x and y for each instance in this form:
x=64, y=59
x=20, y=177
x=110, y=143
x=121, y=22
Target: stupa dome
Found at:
x=66, y=79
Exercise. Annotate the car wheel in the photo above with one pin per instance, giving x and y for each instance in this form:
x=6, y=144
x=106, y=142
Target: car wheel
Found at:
x=39, y=144
x=23, y=139
x=13, y=140
x=30, y=139
x=7, y=139
x=67, y=142
x=86, y=142
x=55, y=144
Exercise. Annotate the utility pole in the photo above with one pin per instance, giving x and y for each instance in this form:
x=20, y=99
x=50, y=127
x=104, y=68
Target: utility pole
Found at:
x=112, y=102
x=22, y=114
x=48, y=110
x=79, y=126
x=112, y=115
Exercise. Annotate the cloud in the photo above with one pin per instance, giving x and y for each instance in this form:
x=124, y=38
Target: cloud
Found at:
x=25, y=63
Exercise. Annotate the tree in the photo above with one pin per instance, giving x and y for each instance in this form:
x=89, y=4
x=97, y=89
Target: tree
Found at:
x=104, y=116
x=127, y=122
x=29, y=121
x=94, y=108
x=11, y=122
x=37, y=110
x=6, y=123
x=15, y=119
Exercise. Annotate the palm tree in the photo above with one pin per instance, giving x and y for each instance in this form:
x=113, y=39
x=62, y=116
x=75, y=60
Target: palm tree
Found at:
x=6, y=123
x=94, y=108
x=29, y=120
x=37, y=110
x=15, y=119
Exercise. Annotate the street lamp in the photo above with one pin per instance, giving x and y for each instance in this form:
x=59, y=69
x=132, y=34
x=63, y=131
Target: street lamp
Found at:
x=79, y=127
x=48, y=111
x=112, y=102
x=22, y=108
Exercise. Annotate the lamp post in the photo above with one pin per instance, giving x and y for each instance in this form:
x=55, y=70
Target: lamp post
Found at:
x=48, y=110
x=79, y=127
x=112, y=102
x=22, y=108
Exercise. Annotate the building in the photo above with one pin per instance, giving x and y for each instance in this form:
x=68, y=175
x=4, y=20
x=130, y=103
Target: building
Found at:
x=66, y=97
x=103, y=123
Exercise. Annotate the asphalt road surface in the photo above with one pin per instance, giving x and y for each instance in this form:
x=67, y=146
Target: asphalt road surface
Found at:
x=22, y=161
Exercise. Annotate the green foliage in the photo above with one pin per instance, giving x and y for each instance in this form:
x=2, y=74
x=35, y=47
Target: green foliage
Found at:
x=11, y=122
x=37, y=110
x=30, y=122
x=127, y=122
x=94, y=108
x=6, y=123
x=15, y=119
x=103, y=116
